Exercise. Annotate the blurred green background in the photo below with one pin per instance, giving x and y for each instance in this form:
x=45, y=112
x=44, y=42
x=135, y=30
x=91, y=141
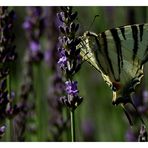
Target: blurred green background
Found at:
x=96, y=115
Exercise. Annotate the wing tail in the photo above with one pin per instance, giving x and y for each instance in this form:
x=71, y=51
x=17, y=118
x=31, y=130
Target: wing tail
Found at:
x=127, y=115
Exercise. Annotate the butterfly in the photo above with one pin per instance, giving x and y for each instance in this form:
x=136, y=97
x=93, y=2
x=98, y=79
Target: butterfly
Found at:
x=119, y=54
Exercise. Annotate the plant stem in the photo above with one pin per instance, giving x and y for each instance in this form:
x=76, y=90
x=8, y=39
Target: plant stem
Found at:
x=68, y=132
x=8, y=121
x=41, y=104
x=8, y=130
x=72, y=118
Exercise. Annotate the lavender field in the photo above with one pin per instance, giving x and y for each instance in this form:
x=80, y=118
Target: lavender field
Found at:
x=48, y=92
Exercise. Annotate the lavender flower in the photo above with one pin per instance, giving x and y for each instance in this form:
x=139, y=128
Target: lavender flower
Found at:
x=2, y=130
x=140, y=101
x=57, y=124
x=143, y=134
x=71, y=88
x=7, y=49
x=34, y=46
x=88, y=130
x=145, y=96
x=69, y=55
x=130, y=136
x=33, y=26
x=47, y=57
x=27, y=25
x=63, y=59
x=7, y=57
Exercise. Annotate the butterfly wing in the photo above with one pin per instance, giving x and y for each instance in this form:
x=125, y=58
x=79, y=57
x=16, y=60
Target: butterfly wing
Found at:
x=119, y=54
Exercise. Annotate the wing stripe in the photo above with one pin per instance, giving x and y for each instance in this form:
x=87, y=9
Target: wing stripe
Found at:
x=118, y=47
x=145, y=59
x=141, y=31
x=103, y=35
x=135, y=37
x=94, y=51
x=96, y=55
x=123, y=32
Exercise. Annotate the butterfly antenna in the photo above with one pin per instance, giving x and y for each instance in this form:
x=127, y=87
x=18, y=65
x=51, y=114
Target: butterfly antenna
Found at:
x=93, y=21
x=127, y=115
x=137, y=112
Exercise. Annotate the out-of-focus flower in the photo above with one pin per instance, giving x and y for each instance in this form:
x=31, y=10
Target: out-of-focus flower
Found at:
x=7, y=56
x=57, y=123
x=2, y=130
x=88, y=130
x=130, y=136
x=145, y=96
x=27, y=25
x=34, y=29
x=48, y=57
x=34, y=25
x=141, y=102
x=34, y=46
x=143, y=134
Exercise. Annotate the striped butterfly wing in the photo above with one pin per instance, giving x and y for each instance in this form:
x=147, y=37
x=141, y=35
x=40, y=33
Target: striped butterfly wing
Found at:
x=119, y=54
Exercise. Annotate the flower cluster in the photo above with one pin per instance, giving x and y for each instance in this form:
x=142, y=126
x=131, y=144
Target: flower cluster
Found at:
x=88, y=130
x=69, y=55
x=34, y=27
x=6, y=109
x=7, y=56
x=71, y=88
x=7, y=49
x=141, y=102
x=2, y=130
x=57, y=123
x=142, y=134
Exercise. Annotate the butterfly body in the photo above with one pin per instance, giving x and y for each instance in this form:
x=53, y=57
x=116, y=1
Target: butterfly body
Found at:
x=119, y=55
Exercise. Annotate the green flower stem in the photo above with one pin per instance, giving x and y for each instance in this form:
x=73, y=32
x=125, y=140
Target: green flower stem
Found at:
x=8, y=121
x=72, y=119
x=8, y=130
x=41, y=104
x=68, y=132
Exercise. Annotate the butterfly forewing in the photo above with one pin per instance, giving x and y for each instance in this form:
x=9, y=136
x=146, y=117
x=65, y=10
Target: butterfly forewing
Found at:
x=87, y=54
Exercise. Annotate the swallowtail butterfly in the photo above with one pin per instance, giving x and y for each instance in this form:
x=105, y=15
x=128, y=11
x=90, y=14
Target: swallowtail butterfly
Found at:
x=119, y=54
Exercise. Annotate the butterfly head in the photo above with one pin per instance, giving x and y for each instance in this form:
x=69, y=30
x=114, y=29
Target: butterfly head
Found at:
x=117, y=89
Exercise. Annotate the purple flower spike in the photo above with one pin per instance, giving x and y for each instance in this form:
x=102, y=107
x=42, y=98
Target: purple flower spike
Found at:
x=47, y=56
x=7, y=55
x=27, y=25
x=2, y=129
x=130, y=136
x=62, y=62
x=71, y=88
x=69, y=55
x=143, y=134
x=34, y=46
x=63, y=59
x=145, y=96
